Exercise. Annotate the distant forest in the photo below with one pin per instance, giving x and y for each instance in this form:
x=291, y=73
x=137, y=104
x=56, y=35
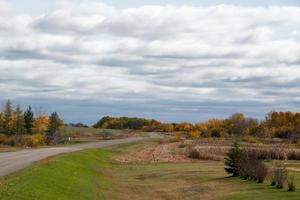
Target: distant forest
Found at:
x=275, y=125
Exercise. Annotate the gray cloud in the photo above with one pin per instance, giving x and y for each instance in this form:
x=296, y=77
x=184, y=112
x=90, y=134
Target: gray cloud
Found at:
x=167, y=62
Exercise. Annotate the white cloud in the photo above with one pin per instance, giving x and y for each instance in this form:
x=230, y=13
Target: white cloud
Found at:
x=153, y=53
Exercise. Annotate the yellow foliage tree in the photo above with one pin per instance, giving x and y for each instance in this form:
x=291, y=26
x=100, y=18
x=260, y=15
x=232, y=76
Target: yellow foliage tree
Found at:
x=184, y=127
x=195, y=134
x=168, y=127
x=40, y=124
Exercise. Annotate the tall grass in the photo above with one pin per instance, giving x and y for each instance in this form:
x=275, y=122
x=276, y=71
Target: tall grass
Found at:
x=262, y=153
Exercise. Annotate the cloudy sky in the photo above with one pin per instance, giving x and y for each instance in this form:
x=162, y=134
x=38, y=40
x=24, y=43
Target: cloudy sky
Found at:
x=169, y=60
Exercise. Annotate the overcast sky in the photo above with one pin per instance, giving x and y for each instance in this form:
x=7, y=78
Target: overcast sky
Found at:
x=169, y=60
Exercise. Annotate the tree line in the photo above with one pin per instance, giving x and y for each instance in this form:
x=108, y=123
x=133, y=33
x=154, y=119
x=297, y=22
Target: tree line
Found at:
x=126, y=123
x=25, y=127
x=276, y=124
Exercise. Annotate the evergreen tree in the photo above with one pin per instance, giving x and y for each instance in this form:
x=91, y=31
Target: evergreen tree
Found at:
x=8, y=118
x=1, y=123
x=19, y=122
x=53, y=128
x=232, y=159
x=28, y=120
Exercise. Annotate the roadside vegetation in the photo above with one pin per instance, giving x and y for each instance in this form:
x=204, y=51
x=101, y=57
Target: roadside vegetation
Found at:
x=32, y=128
x=18, y=128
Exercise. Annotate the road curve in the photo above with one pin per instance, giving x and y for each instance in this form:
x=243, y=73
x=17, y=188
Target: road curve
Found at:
x=11, y=162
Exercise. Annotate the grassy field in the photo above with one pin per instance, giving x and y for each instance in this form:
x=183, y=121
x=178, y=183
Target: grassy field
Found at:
x=93, y=174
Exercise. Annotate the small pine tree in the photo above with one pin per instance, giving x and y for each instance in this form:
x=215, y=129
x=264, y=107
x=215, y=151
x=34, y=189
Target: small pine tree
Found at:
x=53, y=127
x=28, y=120
x=231, y=161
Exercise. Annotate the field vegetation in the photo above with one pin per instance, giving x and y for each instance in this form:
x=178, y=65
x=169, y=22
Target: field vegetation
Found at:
x=100, y=174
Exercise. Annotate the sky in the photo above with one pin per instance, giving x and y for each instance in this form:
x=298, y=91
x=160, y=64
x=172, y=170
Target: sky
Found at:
x=169, y=60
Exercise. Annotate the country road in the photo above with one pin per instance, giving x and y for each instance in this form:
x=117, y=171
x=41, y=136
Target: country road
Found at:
x=13, y=161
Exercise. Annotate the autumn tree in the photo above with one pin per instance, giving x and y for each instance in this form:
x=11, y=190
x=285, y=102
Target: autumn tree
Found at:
x=8, y=118
x=40, y=124
x=53, y=128
x=19, y=122
x=211, y=128
x=126, y=123
x=167, y=127
x=184, y=127
x=1, y=123
x=236, y=124
x=29, y=119
x=282, y=124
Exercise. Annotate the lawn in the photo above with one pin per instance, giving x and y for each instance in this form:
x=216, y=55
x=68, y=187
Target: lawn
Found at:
x=93, y=174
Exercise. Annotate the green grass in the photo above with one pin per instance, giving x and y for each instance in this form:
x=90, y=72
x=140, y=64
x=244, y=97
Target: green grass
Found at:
x=73, y=176
x=92, y=174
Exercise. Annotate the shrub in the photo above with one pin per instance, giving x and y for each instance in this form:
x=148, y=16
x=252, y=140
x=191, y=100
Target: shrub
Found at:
x=272, y=178
x=3, y=138
x=193, y=153
x=182, y=145
x=280, y=175
x=36, y=140
x=250, y=167
x=194, y=134
x=176, y=138
x=261, y=171
x=291, y=184
x=11, y=141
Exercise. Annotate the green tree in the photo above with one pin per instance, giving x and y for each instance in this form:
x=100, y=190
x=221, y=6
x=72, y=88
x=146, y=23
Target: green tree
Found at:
x=8, y=118
x=232, y=160
x=28, y=120
x=19, y=122
x=1, y=123
x=53, y=128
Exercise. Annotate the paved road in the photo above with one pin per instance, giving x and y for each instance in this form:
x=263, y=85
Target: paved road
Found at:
x=13, y=161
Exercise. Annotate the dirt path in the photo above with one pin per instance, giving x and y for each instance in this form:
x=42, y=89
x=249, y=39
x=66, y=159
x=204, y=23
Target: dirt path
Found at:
x=13, y=161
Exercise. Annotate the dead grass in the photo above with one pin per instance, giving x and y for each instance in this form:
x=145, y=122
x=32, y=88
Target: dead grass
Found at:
x=217, y=151
x=154, y=153
x=187, y=181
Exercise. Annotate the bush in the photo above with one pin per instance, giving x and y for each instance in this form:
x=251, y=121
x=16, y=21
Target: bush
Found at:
x=182, y=145
x=193, y=153
x=176, y=138
x=250, y=167
x=3, y=138
x=272, y=178
x=194, y=134
x=11, y=141
x=291, y=184
x=279, y=175
x=36, y=140
x=261, y=171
